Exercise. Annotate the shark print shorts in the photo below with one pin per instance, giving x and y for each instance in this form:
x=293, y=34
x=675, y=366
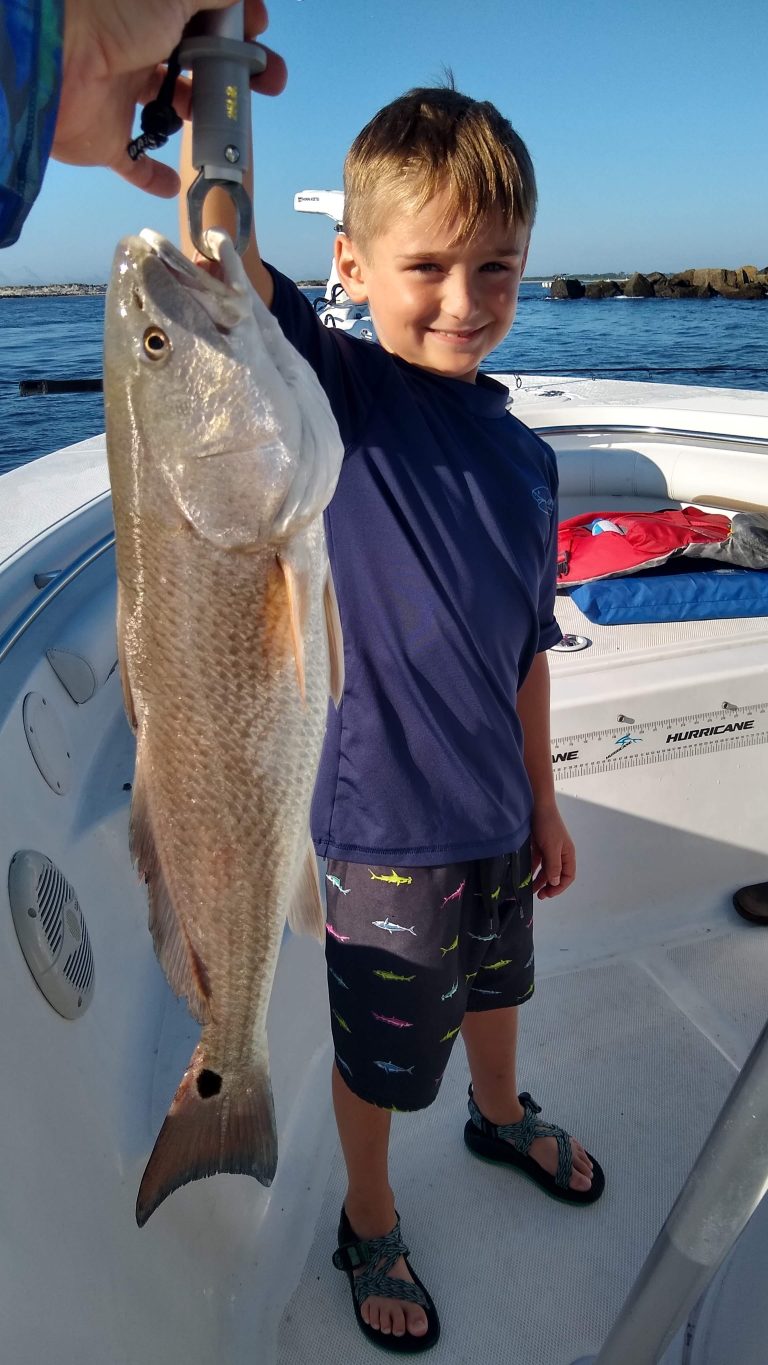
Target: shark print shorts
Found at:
x=409, y=950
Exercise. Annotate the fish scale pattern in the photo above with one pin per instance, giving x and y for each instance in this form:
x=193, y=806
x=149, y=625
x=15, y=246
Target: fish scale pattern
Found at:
x=230, y=751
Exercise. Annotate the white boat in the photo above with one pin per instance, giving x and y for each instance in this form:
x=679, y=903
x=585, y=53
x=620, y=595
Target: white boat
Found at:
x=651, y=991
x=335, y=308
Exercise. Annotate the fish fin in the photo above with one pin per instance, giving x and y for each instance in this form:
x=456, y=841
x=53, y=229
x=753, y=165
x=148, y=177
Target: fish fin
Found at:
x=335, y=639
x=215, y=1124
x=297, y=586
x=130, y=709
x=184, y=968
x=305, y=914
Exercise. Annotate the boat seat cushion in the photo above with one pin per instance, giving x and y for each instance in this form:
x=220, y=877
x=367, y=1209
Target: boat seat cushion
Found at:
x=693, y=596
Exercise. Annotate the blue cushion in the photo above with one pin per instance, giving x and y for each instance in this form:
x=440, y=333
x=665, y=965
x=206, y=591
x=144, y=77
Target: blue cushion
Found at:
x=674, y=597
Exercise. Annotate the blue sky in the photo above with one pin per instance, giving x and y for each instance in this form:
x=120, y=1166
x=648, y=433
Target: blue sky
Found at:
x=647, y=121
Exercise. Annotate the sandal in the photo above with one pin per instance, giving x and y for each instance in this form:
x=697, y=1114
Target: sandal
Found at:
x=353, y=1252
x=490, y=1142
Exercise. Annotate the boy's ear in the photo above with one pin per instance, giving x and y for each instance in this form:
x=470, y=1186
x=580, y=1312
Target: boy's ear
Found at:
x=351, y=268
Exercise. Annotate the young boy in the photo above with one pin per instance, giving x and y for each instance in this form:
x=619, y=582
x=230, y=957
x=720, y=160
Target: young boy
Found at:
x=434, y=803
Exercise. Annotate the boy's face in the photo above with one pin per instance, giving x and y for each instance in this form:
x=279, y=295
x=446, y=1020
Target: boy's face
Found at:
x=438, y=306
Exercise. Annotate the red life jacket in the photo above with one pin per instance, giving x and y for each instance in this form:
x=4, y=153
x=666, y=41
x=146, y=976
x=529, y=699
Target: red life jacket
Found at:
x=642, y=540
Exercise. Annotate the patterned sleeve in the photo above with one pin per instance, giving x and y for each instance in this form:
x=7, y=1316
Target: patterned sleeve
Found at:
x=30, y=76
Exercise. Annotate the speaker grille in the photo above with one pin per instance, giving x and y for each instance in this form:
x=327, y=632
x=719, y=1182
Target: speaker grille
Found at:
x=52, y=932
x=51, y=894
x=78, y=967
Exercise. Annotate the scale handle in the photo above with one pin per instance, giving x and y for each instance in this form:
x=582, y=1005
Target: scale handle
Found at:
x=222, y=64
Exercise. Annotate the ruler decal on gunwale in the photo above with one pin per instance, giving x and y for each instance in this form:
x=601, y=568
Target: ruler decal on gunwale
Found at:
x=636, y=745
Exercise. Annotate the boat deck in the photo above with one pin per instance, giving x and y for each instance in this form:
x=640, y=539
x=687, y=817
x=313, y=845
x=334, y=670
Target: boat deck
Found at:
x=650, y=993
x=635, y=1054
x=650, y=989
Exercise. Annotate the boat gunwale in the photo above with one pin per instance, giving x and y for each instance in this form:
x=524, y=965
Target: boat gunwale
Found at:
x=47, y=594
x=62, y=580
x=637, y=429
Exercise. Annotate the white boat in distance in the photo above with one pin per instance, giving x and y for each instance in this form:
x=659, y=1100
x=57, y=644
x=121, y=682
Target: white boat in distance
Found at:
x=335, y=308
x=650, y=989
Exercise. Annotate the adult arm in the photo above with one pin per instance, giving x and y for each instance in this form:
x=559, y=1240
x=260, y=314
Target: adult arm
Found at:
x=30, y=71
x=72, y=74
x=112, y=62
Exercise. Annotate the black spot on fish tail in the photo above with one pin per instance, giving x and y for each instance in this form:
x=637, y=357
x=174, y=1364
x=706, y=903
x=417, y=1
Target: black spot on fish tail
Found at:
x=208, y=1084
x=216, y=1123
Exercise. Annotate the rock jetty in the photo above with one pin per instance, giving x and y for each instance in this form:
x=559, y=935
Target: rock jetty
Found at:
x=745, y=283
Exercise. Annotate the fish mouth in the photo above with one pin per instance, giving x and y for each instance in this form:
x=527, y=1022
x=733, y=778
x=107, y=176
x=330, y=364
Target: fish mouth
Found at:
x=216, y=277
x=160, y=277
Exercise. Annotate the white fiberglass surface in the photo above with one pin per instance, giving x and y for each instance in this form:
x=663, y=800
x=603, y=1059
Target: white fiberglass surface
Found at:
x=626, y=1054
x=649, y=994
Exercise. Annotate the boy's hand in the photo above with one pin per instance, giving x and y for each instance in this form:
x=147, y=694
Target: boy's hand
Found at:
x=112, y=62
x=553, y=854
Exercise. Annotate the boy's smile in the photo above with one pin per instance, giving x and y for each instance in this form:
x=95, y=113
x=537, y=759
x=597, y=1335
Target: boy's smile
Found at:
x=436, y=303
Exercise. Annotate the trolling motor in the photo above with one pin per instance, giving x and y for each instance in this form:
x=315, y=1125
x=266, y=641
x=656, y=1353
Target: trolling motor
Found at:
x=221, y=62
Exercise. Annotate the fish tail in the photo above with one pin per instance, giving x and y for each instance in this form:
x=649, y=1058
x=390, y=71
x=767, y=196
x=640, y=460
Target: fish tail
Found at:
x=215, y=1123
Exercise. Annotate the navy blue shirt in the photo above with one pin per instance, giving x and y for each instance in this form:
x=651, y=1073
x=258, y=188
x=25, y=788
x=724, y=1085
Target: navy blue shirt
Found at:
x=442, y=537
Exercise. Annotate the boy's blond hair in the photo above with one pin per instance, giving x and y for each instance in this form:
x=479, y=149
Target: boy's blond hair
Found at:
x=434, y=139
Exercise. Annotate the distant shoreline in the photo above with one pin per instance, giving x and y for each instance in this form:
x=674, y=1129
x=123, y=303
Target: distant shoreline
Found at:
x=745, y=282
x=20, y=291
x=41, y=291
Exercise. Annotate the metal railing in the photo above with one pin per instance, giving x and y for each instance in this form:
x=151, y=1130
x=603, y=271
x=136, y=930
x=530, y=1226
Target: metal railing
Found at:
x=725, y=1186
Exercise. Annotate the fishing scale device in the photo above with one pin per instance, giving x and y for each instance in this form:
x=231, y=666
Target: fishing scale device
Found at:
x=222, y=63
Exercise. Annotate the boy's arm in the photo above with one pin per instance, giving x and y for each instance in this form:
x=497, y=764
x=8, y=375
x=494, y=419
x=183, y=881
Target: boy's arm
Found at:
x=552, y=849
x=351, y=382
x=218, y=211
x=533, y=710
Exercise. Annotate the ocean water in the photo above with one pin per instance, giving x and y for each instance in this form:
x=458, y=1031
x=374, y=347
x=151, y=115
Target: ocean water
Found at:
x=686, y=341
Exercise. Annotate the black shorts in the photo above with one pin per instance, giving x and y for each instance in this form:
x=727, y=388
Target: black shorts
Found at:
x=409, y=951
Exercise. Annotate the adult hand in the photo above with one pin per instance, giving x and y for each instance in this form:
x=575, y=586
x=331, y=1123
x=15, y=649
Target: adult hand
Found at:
x=112, y=61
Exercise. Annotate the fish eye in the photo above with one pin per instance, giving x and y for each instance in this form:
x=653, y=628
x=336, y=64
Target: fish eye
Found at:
x=157, y=345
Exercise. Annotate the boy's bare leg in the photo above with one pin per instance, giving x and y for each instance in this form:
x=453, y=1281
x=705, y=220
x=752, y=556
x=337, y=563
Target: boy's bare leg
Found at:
x=370, y=1203
x=490, y=1038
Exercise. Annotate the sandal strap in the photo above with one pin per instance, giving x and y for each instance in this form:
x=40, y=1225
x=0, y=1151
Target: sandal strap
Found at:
x=379, y=1254
x=378, y=1284
x=522, y=1134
